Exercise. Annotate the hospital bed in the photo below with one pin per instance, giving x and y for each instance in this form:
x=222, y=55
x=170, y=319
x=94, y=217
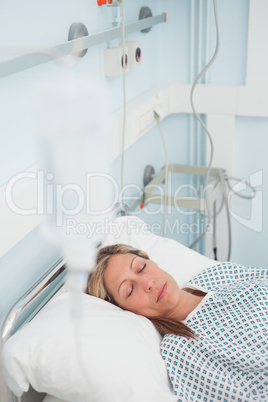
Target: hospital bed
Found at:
x=108, y=353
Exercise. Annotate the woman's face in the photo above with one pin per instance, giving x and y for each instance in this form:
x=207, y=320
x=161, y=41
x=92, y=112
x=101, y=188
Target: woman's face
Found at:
x=139, y=285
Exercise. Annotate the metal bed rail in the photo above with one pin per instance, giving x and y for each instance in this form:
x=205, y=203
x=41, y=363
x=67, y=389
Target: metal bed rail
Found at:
x=31, y=303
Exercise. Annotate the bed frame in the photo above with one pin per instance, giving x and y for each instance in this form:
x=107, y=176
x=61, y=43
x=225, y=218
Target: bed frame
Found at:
x=26, y=308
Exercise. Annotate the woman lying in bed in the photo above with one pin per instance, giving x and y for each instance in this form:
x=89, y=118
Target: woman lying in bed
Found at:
x=216, y=329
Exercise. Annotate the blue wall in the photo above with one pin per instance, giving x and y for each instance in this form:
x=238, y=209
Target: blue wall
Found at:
x=230, y=65
x=251, y=163
x=249, y=237
x=166, y=58
x=48, y=23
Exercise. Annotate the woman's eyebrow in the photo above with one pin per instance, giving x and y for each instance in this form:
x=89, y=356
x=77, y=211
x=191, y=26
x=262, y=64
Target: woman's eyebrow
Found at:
x=131, y=270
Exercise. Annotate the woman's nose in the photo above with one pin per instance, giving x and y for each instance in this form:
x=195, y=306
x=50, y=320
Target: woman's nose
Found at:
x=147, y=284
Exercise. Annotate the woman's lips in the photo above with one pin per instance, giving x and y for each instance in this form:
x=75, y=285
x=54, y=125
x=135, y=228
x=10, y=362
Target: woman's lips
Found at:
x=161, y=292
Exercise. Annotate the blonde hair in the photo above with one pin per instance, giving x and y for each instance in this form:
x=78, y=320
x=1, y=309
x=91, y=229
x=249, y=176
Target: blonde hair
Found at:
x=96, y=287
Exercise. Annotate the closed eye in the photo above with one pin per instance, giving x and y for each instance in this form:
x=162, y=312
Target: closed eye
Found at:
x=132, y=287
x=130, y=293
x=142, y=268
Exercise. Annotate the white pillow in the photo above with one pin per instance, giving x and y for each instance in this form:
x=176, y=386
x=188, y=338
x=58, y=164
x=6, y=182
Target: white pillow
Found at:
x=118, y=357
x=179, y=261
x=120, y=354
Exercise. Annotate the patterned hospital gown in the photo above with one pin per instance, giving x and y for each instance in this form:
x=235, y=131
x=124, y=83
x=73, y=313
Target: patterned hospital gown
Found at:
x=229, y=361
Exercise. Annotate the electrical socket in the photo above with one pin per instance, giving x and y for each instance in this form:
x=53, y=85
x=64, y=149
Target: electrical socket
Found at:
x=134, y=53
x=146, y=120
x=113, y=61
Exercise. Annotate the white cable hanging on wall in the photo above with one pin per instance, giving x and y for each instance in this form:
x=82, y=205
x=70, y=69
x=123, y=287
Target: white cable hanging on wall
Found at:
x=197, y=79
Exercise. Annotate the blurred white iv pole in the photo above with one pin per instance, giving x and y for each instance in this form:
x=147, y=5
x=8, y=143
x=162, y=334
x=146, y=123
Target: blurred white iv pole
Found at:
x=70, y=115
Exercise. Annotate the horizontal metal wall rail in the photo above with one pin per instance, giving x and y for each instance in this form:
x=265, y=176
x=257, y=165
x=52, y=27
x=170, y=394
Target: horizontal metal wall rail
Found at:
x=41, y=54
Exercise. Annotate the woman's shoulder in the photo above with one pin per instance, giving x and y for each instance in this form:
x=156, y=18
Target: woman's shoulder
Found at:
x=227, y=273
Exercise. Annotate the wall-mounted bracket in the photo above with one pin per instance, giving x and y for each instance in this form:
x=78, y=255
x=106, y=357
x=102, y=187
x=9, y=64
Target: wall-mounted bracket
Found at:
x=148, y=174
x=198, y=203
x=78, y=30
x=145, y=12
